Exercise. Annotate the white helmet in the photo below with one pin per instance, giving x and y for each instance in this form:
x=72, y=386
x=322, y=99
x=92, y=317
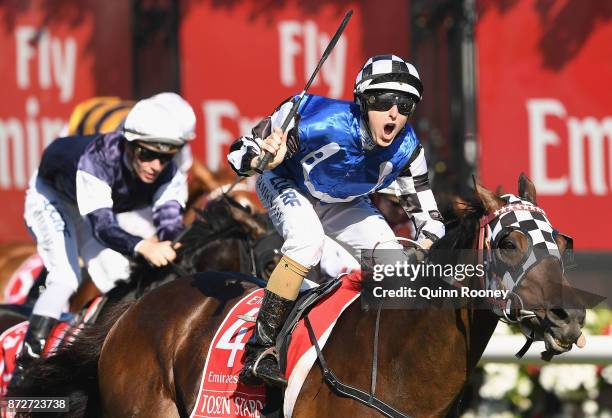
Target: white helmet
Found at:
x=181, y=110
x=150, y=122
x=388, y=72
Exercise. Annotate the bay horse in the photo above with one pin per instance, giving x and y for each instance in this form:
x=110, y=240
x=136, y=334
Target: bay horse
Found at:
x=12, y=255
x=213, y=242
x=150, y=362
x=223, y=230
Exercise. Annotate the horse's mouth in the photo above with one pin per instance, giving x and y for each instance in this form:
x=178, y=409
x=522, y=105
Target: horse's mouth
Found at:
x=556, y=345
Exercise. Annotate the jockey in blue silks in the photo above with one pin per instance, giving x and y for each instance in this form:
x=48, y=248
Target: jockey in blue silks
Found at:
x=333, y=155
x=72, y=203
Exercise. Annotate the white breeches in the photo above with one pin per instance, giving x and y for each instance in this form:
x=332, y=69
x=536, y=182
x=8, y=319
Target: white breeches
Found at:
x=304, y=222
x=62, y=235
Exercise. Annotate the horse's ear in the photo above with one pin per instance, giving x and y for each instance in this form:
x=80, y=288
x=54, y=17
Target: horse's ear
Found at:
x=526, y=189
x=490, y=200
x=254, y=227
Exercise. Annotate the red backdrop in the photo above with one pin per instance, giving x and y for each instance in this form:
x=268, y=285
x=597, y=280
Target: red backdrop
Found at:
x=544, y=108
x=54, y=55
x=45, y=71
x=240, y=59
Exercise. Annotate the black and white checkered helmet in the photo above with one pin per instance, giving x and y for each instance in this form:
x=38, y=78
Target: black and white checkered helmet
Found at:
x=388, y=72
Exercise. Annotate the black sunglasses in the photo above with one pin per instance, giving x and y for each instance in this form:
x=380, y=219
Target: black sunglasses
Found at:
x=146, y=155
x=383, y=101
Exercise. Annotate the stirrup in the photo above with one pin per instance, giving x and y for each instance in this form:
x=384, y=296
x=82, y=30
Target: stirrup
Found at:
x=33, y=355
x=270, y=351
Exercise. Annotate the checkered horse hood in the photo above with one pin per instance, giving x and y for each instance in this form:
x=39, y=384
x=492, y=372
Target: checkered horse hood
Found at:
x=522, y=215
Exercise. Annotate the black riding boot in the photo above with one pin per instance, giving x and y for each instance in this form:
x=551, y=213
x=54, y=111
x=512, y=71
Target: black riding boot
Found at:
x=33, y=346
x=261, y=364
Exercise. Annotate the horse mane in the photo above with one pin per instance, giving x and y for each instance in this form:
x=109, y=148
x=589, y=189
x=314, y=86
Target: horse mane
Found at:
x=461, y=231
x=214, y=221
x=216, y=218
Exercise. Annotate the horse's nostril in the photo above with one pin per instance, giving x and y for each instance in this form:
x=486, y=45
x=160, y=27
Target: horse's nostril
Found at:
x=560, y=313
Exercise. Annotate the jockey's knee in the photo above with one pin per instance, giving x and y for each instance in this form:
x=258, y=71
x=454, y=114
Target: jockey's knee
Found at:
x=53, y=300
x=65, y=278
x=305, y=247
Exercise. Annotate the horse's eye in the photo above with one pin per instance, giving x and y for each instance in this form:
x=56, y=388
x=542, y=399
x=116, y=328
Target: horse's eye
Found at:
x=507, y=245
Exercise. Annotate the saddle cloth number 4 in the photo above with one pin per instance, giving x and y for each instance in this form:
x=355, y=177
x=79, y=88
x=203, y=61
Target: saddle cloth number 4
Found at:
x=238, y=332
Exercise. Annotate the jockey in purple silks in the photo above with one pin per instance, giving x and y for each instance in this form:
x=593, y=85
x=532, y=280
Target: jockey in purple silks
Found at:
x=73, y=199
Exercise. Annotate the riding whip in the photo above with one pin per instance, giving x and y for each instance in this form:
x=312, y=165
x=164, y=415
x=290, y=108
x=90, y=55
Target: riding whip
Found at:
x=263, y=163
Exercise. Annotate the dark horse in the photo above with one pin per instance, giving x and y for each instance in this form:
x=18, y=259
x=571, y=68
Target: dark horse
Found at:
x=224, y=237
x=150, y=362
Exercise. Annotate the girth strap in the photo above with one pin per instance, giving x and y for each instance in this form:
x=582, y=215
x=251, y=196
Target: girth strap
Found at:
x=342, y=389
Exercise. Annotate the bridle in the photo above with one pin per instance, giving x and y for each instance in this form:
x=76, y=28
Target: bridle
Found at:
x=486, y=244
x=531, y=221
x=253, y=253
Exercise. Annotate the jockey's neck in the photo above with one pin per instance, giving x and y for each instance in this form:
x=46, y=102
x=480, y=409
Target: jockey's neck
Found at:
x=367, y=142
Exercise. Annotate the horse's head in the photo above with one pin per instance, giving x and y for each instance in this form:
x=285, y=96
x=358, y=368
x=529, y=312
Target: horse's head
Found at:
x=229, y=237
x=527, y=255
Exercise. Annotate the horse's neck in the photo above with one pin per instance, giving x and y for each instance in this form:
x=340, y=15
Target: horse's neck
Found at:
x=424, y=356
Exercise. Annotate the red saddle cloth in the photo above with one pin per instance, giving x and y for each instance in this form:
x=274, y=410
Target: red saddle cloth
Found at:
x=20, y=282
x=11, y=342
x=220, y=393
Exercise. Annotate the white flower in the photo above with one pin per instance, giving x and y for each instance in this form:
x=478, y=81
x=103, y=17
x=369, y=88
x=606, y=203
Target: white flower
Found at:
x=493, y=409
x=468, y=414
x=592, y=393
x=524, y=404
x=605, y=414
x=606, y=373
x=589, y=407
x=524, y=386
x=499, y=379
x=563, y=379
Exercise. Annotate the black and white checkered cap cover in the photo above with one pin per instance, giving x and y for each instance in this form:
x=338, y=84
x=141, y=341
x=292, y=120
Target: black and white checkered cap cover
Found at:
x=386, y=64
x=533, y=223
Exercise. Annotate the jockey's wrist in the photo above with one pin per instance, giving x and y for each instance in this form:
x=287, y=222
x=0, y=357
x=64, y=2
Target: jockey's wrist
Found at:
x=426, y=243
x=138, y=247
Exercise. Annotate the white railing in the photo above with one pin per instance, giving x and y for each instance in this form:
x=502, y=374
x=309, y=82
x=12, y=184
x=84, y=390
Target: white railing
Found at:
x=501, y=349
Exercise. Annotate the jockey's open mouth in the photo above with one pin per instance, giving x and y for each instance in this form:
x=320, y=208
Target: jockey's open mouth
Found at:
x=389, y=129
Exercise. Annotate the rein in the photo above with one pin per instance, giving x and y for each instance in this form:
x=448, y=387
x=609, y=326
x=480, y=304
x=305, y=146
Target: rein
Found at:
x=342, y=389
x=251, y=252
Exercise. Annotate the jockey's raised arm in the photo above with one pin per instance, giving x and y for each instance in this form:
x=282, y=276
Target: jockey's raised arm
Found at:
x=245, y=151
